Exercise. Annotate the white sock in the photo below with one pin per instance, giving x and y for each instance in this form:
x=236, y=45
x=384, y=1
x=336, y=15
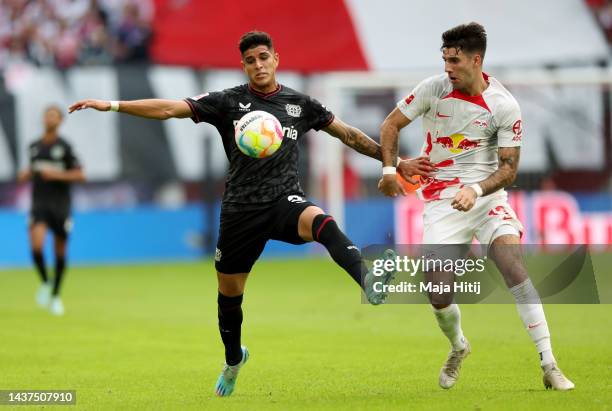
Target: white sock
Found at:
x=530, y=310
x=449, y=320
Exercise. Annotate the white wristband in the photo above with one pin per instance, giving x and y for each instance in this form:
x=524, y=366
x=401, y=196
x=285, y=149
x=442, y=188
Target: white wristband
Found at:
x=389, y=170
x=476, y=187
x=114, y=105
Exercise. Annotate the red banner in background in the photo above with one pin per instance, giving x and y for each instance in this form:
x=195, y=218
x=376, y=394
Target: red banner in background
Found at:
x=548, y=217
x=315, y=35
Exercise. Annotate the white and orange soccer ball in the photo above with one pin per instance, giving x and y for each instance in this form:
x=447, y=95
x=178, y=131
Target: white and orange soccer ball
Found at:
x=258, y=134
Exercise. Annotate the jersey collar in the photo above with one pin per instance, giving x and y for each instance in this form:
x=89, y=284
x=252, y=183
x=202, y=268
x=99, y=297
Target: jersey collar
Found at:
x=265, y=95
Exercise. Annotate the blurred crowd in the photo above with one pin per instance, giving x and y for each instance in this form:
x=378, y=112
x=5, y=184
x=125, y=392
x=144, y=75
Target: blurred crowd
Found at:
x=602, y=9
x=63, y=33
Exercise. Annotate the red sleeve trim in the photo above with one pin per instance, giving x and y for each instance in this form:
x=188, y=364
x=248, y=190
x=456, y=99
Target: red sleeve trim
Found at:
x=331, y=120
x=195, y=117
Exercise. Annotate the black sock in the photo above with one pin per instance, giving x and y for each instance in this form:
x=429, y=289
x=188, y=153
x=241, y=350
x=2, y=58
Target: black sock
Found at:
x=39, y=262
x=340, y=248
x=230, y=322
x=60, y=265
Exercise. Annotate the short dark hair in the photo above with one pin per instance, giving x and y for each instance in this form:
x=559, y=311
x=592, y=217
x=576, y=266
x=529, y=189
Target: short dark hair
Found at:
x=253, y=39
x=54, y=107
x=470, y=38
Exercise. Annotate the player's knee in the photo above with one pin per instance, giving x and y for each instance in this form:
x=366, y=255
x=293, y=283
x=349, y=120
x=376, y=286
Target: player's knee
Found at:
x=306, y=222
x=231, y=285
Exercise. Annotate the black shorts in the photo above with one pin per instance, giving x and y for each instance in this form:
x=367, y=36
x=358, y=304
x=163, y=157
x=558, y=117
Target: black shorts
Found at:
x=244, y=234
x=57, y=219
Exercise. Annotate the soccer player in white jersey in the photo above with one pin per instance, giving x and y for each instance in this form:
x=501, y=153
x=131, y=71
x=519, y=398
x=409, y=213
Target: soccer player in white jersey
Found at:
x=473, y=132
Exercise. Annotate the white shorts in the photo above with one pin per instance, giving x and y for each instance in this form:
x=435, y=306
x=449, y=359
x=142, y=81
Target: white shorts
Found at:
x=490, y=218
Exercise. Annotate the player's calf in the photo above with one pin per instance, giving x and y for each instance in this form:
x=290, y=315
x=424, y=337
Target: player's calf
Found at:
x=230, y=324
x=326, y=232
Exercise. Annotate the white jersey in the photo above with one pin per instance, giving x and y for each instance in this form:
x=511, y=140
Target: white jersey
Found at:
x=462, y=132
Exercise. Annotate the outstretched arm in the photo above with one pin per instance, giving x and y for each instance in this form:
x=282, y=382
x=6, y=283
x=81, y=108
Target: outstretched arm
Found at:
x=502, y=177
x=159, y=109
x=354, y=138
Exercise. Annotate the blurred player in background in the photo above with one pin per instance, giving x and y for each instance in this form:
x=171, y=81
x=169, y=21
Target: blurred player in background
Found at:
x=263, y=199
x=473, y=135
x=53, y=167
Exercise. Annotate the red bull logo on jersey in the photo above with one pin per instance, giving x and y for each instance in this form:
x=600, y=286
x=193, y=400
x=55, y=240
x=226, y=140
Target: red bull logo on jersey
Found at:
x=456, y=143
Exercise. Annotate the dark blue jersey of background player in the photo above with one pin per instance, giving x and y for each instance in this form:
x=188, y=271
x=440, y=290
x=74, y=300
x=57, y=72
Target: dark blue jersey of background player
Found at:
x=47, y=156
x=256, y=182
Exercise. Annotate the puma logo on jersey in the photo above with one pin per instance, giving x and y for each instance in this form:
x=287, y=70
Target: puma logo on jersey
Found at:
x=296, y=199
x=244, y=107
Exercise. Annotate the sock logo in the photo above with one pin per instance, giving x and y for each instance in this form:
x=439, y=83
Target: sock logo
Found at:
x=534, y=325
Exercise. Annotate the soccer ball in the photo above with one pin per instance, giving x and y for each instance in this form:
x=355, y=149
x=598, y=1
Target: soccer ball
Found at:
x=258, y=134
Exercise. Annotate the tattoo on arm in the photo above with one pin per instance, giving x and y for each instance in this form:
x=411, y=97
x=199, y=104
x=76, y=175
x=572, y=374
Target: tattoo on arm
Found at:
x=356, y=139
x=505, y=175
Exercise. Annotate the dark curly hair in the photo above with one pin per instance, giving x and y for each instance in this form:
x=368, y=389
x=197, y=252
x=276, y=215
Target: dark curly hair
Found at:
x=469, y=38
x=253, y=39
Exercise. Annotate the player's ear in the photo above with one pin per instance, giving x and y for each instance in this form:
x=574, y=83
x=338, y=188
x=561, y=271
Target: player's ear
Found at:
x=276, y=58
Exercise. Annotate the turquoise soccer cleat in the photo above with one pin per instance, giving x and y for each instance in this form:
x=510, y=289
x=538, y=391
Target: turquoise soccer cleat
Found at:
x=227, y=380
x=379, y=297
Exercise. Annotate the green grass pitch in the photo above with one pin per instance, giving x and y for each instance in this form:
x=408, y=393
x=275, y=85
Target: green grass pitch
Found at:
x=145, y=337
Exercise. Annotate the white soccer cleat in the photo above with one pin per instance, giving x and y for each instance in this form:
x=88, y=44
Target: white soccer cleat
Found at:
x=449, y=374
x=56, y=307
x=43, y=295
x=554, y=378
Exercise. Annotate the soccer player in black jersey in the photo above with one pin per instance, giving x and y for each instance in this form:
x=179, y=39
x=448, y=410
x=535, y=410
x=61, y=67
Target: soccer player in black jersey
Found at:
x=263, y=199
x=53, y=167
